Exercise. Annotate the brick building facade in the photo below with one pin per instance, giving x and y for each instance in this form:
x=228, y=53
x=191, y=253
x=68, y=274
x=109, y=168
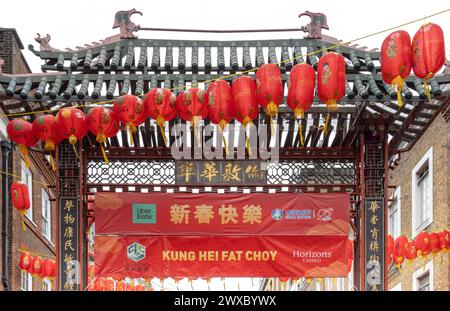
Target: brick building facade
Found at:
x=40, y=234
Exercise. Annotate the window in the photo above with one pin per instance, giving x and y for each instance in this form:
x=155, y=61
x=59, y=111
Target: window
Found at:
x=47, y=285
x=46, y=216
x=394, y=221
x=26, y=281
x=423, y=278
x=27, y=178
x=422, y=193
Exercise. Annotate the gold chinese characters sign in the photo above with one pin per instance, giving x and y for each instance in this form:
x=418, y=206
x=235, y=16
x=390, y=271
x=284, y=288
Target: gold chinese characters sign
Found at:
x=220, y=172
x=68, y=244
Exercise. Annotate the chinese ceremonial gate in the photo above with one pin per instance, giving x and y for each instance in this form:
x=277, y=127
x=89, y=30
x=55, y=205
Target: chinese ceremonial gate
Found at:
x=351, y=157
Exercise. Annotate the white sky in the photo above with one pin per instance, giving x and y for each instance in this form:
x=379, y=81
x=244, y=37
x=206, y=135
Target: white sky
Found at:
x=82, y=21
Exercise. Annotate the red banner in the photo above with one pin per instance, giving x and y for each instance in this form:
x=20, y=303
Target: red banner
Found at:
x=222, y=214
x=224, y=256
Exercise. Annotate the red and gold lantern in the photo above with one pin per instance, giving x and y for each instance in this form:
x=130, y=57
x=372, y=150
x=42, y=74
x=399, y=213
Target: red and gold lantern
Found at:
x=109, y=285
x=444, y=240
x=161, y=107
x=422, y=243
x=302, y=82
x=389, y=248
x=99, y=285
x=71, y=122
x=269, y=88
x=44, y=128
x=102, y=123
x=21, y=132
x=220, y=107
x=25, y=261
x=331, y=79
x=49, y=269
x=191, y=106
x=131, y=111
x=428, y=53
x=434, y=243
x=20, y=198
x=396, y=60
x=38, y=264
x=400, y=249
x=410, y=252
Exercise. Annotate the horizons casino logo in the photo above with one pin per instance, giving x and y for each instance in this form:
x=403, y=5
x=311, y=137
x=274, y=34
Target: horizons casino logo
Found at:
x=277, y=214
x=310, y=256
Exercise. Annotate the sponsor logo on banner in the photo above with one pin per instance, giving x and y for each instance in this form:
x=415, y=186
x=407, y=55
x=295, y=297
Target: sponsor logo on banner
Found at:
x=277, y=214
x=299, y=214
x=325, y=214
x=144, y=213
x=311, y=256
x=136, y=251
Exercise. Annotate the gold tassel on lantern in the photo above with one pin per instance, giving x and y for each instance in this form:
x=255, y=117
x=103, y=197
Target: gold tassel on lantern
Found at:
x=160, y=121
x=222, y=125
x=327, y=124
x=101, y=138
x=397, y=84
x=73, y=141
x=22, y=214
x=50, y=146
x=426, y=86
x=245, y=122
x=195, y=124
x=271, y=110
x=24, y=152
x=131, y=129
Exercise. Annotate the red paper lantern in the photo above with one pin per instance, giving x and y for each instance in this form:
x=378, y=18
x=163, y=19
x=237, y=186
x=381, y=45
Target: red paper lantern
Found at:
x=422, y=243
x=444, y=240
x=269, y=88
x=331, y=79
x=44, y=128
x=400, y=249
x=71, y=122
x=38, y=264
x=434, y=243
x=301, y=89
x=21, y=132
x=102, y=123
x=428, y=52
x=109, y=285
x=243, y=91
x=191, y=105
x=390, y=248
x=410, y=252
x=131, y=111
x=20, y=198
x=30, y=268
x=25, y=261
x=49, y=269
x=161, y=106
x=396, y=60
x=220, y=107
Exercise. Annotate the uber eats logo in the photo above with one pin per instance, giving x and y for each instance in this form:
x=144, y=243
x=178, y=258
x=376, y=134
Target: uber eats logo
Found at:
x=136, y=251
x=144, y=213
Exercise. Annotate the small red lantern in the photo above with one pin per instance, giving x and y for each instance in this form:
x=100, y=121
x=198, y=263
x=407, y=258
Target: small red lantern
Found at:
x=38, y=264
x=191, y=105
x=269, y=88
x=428, y=52
x=400, y=249
x=20, y=198
x=160, y=105
x=103, y=123
x=109, y=285
x=331, y=79
x=301, y=89
x=434, y=243
x=25, y=261
x=44, y=128
x=131, y=111
x=71, y=122
x=396, y=60
x=444, y=240
x=243, y=91
x=390, y=248
x=140, y=287
x=220, y=107
x=130, y=287
x=410, y=252
x=21, y=132
x=49, y=269
x=30, y=268
x=422, y=243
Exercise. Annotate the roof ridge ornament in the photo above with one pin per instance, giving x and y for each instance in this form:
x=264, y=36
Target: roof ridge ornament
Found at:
x=122, y=19
x=44, y=43
x=314, y=28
